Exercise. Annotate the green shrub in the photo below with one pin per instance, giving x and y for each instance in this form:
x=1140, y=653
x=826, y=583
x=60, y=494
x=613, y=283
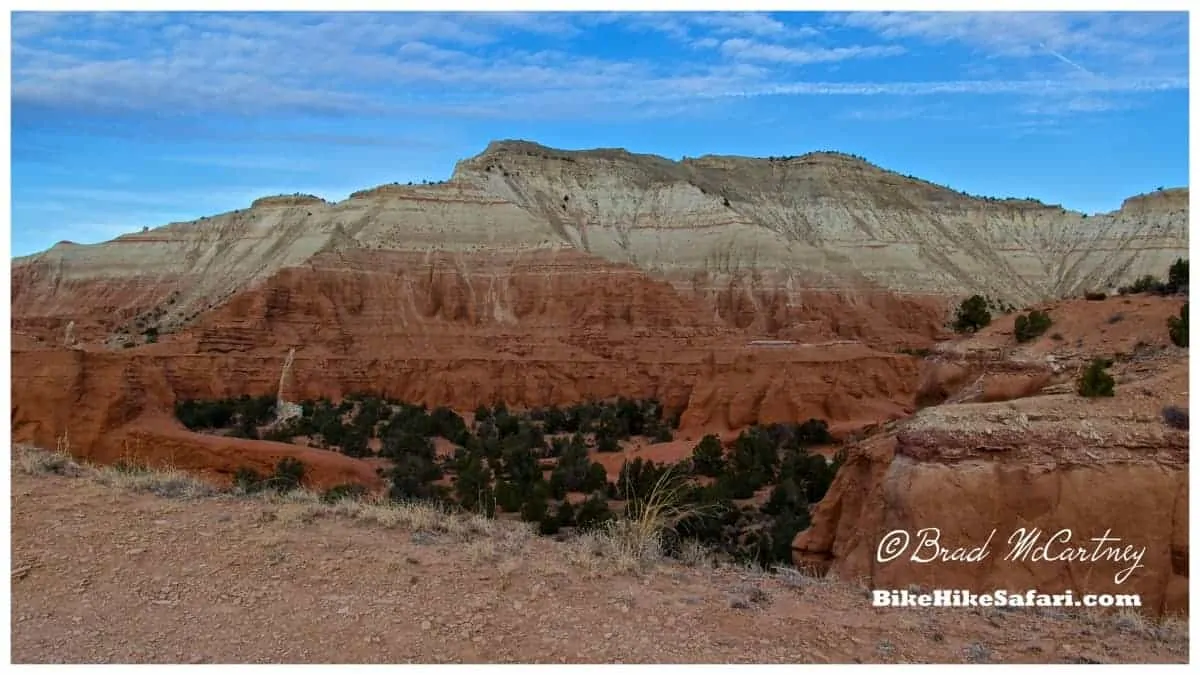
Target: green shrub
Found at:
x=289, y=473
x=565, y=515
x=1095, y=381
x=607, y=441
x=638, y=478
x=813, y=432
x=1177, y=327
x=197, y=415
x=412, y=478
x=1177, y=276
x=509, y=497
x=1031, y=326
x=535, y=509
x=403, y=443
x=786, y=496
x=549, y=525
x=812, y=473
x=344, y=491
x=777, y=549
x=593, y=512
x=248, y=480
x=708, y=457
x=597, y=478
x=519, y=464
x=473, y=487
x=662, y=433
x=355, y=444
x=574, y=466
x=972, y=315
x=1146, y=284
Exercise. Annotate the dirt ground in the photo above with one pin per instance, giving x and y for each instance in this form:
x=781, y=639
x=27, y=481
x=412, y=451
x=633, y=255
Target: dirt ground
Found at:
x=103, y=573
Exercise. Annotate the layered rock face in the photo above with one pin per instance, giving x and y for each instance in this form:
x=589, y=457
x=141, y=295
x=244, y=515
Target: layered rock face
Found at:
x=546, y=326
x=825, y=221
x=1046, y=459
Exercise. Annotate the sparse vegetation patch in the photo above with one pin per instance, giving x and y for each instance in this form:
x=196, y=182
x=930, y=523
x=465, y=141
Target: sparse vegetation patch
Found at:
x=972, y=315
x=1031, y=326
x=538, y=466
x=1177, y=327
x=1095, y=381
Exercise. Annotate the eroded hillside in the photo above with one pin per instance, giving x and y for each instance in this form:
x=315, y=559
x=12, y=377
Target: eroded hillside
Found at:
x=824, y=221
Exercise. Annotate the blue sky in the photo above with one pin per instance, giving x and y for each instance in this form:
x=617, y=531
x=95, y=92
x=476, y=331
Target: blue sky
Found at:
x=121, y=120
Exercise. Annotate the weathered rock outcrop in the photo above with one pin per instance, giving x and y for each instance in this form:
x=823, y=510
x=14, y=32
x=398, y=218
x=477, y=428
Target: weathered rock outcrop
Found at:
x=1052, y=461
x=109, y=407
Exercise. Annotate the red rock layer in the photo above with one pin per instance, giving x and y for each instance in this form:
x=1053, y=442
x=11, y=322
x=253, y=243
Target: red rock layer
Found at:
x=550, y=327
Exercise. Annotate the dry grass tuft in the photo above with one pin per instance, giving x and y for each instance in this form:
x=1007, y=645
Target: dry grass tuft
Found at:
x=165, y=481
x=35, y=461
x=425, y=518
x=636, y=540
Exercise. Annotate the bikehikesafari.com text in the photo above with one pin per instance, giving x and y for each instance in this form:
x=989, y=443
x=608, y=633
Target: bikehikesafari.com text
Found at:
x=1000, y=598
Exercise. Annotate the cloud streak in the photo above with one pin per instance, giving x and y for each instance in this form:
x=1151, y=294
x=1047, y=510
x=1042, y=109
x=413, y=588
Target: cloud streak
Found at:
x=464, y=65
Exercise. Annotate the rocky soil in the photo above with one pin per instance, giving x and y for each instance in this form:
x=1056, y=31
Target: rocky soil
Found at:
x=104, y=574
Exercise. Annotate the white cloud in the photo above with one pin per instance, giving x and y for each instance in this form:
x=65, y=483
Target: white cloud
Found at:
x=741, y=48
x=1117, y=39
x=748, y=24
x=437, y=64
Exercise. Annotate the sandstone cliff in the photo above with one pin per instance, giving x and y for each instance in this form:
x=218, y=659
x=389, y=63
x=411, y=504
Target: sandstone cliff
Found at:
x=1046, y=458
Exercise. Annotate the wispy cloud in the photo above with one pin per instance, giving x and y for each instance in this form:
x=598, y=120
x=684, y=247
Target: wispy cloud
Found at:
x=435, y=65
x=1074, y=105
x=1118, y=40
x=959, y=87
x=1069, y=62
x=741, y=48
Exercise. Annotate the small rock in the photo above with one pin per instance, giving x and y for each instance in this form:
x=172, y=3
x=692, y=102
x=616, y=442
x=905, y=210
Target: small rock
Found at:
x=426, y=625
